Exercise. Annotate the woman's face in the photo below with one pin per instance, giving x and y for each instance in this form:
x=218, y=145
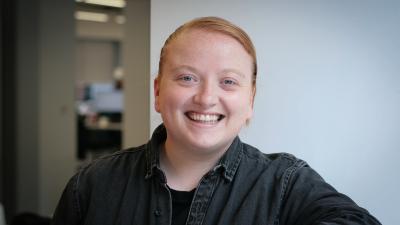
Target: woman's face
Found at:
x=205, y=93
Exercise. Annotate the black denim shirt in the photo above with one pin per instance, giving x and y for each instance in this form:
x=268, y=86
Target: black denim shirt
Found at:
x=245, y=187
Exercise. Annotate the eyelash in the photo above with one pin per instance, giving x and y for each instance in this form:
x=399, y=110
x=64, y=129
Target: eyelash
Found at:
x=229, y=82
x=187, y=78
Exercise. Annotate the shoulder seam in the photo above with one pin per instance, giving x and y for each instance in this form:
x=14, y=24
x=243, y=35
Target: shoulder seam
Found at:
x=296, y=165
x=76, y=194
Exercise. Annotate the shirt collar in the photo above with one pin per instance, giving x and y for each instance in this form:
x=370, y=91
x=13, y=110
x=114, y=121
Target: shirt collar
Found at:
x=228, y=163
x=153, y=150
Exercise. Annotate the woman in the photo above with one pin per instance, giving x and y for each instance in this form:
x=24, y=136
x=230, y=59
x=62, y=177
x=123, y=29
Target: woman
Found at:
x=195, y=169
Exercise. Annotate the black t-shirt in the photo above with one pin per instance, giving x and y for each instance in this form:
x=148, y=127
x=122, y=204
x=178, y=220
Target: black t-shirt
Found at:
x=181, y=201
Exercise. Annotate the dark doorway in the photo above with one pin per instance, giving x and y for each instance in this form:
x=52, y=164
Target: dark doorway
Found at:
x=8, y=108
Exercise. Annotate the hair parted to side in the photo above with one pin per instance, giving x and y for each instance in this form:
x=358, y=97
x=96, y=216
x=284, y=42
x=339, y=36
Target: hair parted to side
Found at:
x=213, y=24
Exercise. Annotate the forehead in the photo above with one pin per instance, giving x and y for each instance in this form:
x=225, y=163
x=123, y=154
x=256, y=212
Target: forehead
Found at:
x=204, y=36
x=202, y=45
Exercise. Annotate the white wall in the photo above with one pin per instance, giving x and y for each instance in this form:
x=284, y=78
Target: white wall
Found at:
x=328, y=86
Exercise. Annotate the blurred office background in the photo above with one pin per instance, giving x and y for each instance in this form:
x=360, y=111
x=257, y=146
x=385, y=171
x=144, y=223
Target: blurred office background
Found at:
x=76, y=83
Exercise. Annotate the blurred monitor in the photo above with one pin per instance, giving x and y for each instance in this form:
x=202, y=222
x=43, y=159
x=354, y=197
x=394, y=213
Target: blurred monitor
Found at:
x=104, y=97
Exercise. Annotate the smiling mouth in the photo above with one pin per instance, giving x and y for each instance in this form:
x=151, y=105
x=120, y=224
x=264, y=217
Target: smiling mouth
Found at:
x=204, y=118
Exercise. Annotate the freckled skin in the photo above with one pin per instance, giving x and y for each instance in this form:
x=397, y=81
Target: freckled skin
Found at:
x=204, y=73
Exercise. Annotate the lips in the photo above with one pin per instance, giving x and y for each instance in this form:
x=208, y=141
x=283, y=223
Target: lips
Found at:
x=208, y=118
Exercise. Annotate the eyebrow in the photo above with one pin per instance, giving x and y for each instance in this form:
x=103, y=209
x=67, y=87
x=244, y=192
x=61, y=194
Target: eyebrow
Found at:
x=234, y=71
x=185, y=67
x=191, y=68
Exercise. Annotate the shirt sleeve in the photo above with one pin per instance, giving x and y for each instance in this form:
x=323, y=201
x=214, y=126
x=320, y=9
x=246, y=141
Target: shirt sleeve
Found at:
x=68, y=208
x=308, y=199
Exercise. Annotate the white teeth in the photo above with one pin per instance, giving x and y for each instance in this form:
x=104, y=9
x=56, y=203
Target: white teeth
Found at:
x=206, y=118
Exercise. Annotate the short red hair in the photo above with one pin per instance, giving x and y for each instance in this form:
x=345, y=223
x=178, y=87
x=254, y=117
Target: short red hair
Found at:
x=213, y=24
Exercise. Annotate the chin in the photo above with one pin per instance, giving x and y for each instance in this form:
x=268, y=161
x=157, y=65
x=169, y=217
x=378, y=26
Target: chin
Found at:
x=210, y=146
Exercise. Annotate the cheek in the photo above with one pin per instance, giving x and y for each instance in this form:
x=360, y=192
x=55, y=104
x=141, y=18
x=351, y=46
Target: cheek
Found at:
x=172, y=99
x=240, y=101
x=240, y=106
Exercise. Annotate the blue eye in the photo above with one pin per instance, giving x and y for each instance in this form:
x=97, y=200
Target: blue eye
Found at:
x=228, y=82
x=187, y=78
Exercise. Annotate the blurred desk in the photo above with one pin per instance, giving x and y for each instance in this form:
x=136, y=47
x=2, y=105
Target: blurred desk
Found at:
x=102, y=134
x=111, y=126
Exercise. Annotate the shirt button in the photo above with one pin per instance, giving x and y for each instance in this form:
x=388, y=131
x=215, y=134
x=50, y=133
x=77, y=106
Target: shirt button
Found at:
x=157, y=212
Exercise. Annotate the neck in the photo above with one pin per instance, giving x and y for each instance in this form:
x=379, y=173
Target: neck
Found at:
x=184, y=167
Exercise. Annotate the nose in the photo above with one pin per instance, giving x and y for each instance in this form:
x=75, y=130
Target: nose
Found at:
x=206, y=95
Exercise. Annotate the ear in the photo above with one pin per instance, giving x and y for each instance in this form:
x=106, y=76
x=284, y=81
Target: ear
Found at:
x=156, y=89
x=249, y=115
x=252, y=97
x=251, y=108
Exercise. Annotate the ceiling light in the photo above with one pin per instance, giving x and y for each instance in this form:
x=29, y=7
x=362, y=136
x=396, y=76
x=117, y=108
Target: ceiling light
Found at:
x=111, y=3
x=91, y=16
